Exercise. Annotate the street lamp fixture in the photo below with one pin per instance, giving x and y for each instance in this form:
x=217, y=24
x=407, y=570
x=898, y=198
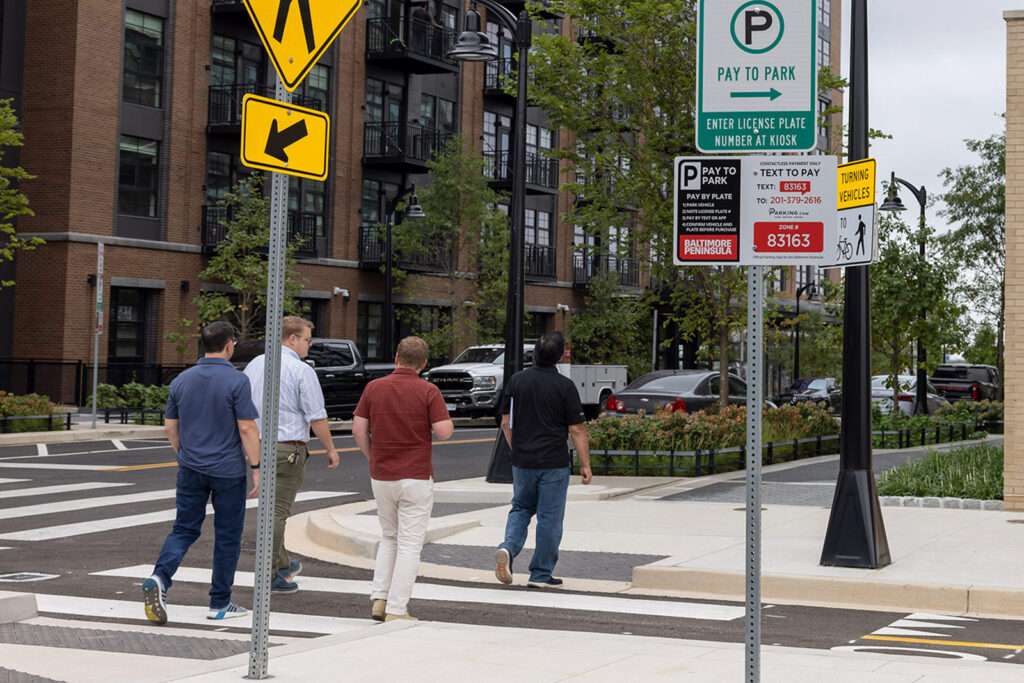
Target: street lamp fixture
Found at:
x=474, y=46
x=386, y=213
x=894, y=204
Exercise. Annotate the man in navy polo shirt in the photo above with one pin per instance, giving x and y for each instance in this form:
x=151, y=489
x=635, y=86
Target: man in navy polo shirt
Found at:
x=211, y=424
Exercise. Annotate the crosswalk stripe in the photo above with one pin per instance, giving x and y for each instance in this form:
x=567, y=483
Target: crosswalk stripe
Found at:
x=190, y=614
x=12, y=481
x=96, y=526
x=68, y=455
x=85, y=504
x=42, y=449
x=461, y=594
x=63, y=488
x=118, y=445
x=50, y=466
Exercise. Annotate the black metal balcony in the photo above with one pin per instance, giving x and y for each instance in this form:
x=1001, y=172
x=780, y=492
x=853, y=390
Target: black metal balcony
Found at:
x=496, y=74
x=302, y=231
x=539, y=261
x=372, y=254
x=404, y=147
x=226, y=6
x=224, y=109
x=588, y=266
x=541, y=172
x=421, y=47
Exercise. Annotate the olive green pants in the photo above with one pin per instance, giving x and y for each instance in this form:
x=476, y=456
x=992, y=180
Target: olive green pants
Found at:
x=291, y=469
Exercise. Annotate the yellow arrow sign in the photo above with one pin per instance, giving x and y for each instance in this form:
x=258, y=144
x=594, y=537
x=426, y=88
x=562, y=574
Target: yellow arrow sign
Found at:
x=296, y=33
x=856, y=184
x=284, y=138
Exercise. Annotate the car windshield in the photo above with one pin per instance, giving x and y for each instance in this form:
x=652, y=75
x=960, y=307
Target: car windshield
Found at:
x=481, y=355
x=666, y=383
x=818, y=385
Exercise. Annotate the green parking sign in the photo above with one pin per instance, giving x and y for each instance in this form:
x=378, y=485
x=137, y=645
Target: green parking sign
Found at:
x=756, y=76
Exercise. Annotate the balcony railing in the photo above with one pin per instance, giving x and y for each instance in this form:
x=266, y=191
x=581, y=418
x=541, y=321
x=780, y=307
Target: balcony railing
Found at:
x=303, y=230
x=372, y=254
x=225, y=103
x=496, y=74
x=540, y=261
x=541, y=172
x=588, y=266
x=402, y=143
x=426, y=45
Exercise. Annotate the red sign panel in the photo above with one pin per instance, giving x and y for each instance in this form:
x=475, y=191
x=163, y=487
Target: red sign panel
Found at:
x=789, y=237
x=801, y=186
x=709, y=247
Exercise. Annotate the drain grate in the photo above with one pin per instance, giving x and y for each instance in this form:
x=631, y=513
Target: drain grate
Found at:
x=99, y=640
x=27, y=577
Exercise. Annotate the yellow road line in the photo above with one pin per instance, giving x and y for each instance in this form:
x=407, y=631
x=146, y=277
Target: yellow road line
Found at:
x=164, y=465
x=957, y=643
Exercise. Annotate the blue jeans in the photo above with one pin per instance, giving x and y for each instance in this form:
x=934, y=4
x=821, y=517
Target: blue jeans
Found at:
x=541, y=493
x=194, y=491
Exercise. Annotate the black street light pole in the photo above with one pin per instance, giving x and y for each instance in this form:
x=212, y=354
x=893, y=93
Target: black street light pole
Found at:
x=474, y=46
x=894, y=203
x=808, y=287
x=385, y=213
x=856, y=534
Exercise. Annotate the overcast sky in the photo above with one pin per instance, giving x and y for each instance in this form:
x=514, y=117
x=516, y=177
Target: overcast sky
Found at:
x=937, y=76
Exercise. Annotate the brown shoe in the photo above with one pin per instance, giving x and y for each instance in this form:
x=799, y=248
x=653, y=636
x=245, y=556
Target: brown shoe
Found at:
x=400, y=617
x=503, y=566
x=377, y=608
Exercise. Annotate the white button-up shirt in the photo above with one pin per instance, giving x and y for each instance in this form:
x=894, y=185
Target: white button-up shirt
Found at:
x=302, y=399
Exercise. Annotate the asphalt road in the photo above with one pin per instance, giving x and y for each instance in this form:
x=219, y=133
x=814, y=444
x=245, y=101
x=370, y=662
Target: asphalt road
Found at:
x=82, y=509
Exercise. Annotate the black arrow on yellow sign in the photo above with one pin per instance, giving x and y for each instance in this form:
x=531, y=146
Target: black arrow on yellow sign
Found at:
x=279, y=140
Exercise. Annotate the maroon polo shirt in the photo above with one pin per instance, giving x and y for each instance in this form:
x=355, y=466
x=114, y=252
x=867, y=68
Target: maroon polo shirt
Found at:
x=401, y=407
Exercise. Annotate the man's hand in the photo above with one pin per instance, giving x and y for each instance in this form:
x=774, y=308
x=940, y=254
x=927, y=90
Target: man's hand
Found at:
x=586, y=475
x=255, y=492
x=333, y=459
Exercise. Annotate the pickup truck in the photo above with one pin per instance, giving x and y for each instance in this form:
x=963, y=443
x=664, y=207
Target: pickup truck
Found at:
x=963, y=382
x=471, y=384
x=339, y=366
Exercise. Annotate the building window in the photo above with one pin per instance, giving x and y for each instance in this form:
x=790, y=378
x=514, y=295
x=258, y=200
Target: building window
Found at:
x=421, y=321
x=128, y=324
x=222, y=174
x=780, y=279
x=307, y=205
x=537, y=325
x=313, y=310
x=143, y=58
x=806, y=275
x=501, y=37
x=538, y=228
x=370, y=211
x=316, y=88
x=383, y=101
x=137, y=182
x=370, y=330
x=537, y=138
x=825, y=13
x=824, y=143
x=824, y=51
x=234, y=62
x=437, y=113
x=497, y=137
x=222, y=61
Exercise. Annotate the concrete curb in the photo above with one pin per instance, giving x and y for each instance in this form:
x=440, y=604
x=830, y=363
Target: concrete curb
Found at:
x=947, y=503
x=817, y=590
x=79, y=435
x=326, y=529
x=17, y=607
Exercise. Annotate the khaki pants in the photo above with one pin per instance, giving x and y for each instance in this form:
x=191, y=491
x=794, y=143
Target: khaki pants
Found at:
x=288, y=482
x=403, y=508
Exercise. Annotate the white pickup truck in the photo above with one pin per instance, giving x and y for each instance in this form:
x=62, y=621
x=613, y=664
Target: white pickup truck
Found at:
x=472, y=383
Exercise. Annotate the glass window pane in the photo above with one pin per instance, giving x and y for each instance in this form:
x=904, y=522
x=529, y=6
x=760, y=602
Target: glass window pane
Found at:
x=143, y=58
x=138, y=176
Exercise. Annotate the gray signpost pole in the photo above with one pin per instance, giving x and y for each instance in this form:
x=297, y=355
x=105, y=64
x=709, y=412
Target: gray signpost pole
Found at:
x=258, y=657
x=97, y=330
x=755, y=404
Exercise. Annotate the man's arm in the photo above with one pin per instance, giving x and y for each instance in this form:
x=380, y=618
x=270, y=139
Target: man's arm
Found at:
x=506, y=429
x=581, y=442
x=323, y=432
x=361, y=433
x=250, y=435
x=443, y=429
x=171, y=430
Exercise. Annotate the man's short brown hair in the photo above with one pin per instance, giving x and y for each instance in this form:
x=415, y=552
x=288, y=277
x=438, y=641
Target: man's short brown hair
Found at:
x=293, y=324
x=412, y=352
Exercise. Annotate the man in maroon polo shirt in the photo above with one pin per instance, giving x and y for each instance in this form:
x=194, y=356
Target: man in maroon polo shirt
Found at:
x=392, y=426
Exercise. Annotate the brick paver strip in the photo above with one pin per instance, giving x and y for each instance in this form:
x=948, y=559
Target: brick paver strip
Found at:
x=182, y=647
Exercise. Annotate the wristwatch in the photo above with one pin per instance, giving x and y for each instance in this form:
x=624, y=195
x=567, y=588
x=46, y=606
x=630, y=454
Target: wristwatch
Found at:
x=254, y=467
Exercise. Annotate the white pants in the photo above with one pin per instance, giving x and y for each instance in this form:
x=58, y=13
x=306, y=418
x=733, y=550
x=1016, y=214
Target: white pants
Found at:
x=403, y=508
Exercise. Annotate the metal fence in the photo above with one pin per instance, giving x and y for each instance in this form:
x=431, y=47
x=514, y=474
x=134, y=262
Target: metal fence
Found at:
x=70, y=382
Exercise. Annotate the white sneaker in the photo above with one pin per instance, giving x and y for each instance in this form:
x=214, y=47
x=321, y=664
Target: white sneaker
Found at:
x=231, y=611
x=503, y=566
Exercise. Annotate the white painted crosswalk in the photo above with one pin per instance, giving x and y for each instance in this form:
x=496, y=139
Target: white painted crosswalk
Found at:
x=491, y=596
x=84, y=504
x=12, y=481
x=60, y=488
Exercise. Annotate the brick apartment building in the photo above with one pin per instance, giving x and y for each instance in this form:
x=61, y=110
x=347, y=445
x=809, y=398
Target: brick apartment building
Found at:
x=131, y=113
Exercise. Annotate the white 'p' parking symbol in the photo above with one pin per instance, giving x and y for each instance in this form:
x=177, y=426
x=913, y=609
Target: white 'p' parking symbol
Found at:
x=689, y=175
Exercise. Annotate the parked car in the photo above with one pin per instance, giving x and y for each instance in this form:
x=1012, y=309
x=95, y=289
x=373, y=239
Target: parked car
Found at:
x=339, y=366
x=906, y=397
x=822, y=391
x=964, y=382
x=686, y=391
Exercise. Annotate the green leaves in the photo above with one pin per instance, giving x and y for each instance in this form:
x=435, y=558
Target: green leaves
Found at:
x=972, y=472
x=13, y=202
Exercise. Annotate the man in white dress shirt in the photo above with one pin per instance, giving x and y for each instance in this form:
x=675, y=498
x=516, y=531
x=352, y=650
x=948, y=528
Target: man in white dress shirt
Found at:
x=301, y=409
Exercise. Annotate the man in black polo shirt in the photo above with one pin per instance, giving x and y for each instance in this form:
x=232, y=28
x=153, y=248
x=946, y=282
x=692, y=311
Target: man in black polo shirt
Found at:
x=540, y=411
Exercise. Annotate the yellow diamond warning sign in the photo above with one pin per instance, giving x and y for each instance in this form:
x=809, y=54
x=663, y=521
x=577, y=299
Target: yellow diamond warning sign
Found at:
x=284, y=138
x=856, y=184
x=296, y=33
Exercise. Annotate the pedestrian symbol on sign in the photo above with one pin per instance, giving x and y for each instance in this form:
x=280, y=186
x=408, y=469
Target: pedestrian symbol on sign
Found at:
x=757, y=27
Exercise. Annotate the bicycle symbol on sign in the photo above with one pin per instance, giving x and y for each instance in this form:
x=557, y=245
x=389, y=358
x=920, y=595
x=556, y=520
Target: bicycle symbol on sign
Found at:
x=844, y=250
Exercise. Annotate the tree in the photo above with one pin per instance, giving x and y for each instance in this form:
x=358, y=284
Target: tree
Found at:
x=976, y=199
x=462, y=219
x=13, y=202
x=984, y=348
x=902, y=284
x=611, y=328
x=240, y=264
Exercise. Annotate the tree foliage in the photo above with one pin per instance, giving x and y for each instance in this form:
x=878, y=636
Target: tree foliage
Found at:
x=983, y=349
x=240, y=264
x=611, y=328
x=13, y=202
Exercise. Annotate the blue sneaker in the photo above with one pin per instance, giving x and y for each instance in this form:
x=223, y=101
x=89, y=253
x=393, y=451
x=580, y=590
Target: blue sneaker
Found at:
x=293, y=569
x=231, y=611
x=282, y=585
x=154, y=598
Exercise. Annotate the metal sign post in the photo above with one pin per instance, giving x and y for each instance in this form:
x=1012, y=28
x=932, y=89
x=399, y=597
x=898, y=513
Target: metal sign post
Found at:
x=98, y=330
x=258, y=658
x=755, y=406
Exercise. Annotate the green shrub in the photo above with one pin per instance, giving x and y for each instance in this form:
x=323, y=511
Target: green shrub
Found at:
x=981, y=411
x=27, y=405
x=969, y=472
x=107, y=398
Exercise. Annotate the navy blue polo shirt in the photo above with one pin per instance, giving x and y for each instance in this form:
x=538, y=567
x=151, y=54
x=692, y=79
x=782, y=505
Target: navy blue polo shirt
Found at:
x=207, y=400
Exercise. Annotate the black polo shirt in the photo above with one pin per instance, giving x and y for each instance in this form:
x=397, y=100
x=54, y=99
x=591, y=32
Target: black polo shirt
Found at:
x=542, y=404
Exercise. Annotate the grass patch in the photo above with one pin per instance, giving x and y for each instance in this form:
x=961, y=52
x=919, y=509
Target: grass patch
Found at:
x=969, y=472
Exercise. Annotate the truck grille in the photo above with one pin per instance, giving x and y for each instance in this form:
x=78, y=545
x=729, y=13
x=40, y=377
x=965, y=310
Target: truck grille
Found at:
x=451, y=381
